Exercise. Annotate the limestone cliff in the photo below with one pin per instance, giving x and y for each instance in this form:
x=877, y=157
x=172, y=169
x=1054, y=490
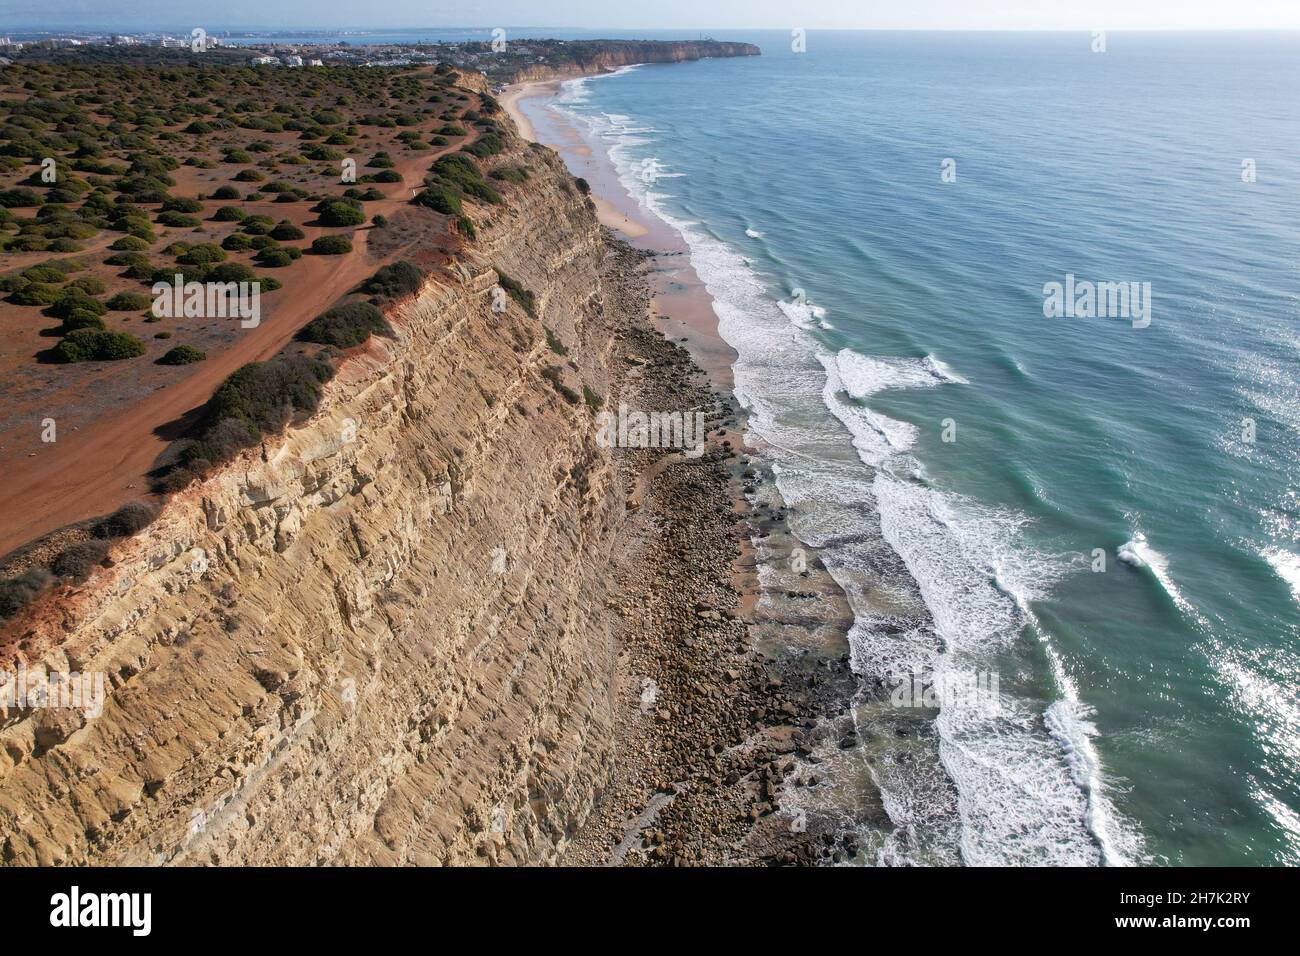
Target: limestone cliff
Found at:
x=604, y=56
x=383, y=636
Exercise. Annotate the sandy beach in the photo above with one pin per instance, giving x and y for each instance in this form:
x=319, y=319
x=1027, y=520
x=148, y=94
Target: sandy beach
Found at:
x=682, y=306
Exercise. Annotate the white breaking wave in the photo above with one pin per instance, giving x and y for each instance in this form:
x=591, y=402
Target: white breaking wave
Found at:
x=1287, y=566
x=804, y=314
x=754, y=234
x=1139, y=553
x=1028, y=783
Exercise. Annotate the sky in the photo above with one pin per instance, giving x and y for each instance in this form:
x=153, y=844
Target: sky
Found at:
x=661, y=14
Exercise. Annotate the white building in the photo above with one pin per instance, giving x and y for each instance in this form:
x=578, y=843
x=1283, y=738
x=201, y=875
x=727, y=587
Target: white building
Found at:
x=264, y=61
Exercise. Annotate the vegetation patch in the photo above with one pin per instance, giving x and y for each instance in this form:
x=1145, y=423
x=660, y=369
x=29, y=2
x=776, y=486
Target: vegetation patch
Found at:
x=346, y=325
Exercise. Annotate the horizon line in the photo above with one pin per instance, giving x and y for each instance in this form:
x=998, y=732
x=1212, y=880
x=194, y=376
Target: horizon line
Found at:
x=102, y=28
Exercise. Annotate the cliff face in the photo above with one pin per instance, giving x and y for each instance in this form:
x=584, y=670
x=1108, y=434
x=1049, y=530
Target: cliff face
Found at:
x=607, y=55
x=383, y=638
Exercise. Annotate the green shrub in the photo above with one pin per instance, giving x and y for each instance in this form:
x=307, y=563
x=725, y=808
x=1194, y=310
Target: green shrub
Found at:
x=345, y=325
x=257, y=225
x=517, y=292
x=339, y=212
x=129, y=302
x=555, y=375
x=249, y=176
x=322, y=154
x=132, y=517
x=234, y=272
x=228, y=214
x=77, y=561
x=237, y=242
x=37, y=293
x=225, y=192
x=259, y=397
x=441, y=197
x=182, y=355
x=553, y=342
x=392, y=281
x=19, y=591
x=15, y=198
x=331, y=246
x=285, y=231
x=182, y=204
x=487, y=145
x=44, y=273
x=76, y=299
x=275, y=258
x=98, y=345
x=510, y=174
x=89, y=285
x=130, y=244
x=202, y=254
x=80, y=319
x=176, y=220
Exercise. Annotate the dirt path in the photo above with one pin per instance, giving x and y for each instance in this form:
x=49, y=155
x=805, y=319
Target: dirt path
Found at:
x=99, y=468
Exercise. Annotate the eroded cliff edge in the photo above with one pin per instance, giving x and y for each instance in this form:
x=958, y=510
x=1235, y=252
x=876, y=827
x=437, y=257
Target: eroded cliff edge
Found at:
x=438, y=622
x=381, y=638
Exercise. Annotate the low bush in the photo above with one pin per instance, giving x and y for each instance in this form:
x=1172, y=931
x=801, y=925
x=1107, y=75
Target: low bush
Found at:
x=132, y=517
x=176, y=220
x=98, y=345
x=76, y=562
x=37, y=293
x=345, y=325
x=129, y=244
x=258, y=398
x=73, y=299
x=17, y=592
x=202, y=254
x=182, y=355
x=331, y=246
x=91, y=285
x=182, y=204
x=129, y=302
x=526, y=300
x=398, y=279
x=339, y=212
x=286, y=231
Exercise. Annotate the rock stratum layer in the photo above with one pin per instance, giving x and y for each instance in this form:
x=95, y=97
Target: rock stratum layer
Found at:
x=383, y=638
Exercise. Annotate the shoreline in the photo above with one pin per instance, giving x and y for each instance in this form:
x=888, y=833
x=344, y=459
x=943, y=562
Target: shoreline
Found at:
x=805, y=658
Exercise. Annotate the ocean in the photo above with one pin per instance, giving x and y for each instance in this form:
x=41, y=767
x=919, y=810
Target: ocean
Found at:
x=1082, y=531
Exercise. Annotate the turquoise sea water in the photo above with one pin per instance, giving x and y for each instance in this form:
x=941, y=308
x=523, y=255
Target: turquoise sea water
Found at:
x=1113, y=530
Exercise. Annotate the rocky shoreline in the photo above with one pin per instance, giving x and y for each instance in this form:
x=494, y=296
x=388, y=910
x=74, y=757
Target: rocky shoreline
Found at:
x=710, y=729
